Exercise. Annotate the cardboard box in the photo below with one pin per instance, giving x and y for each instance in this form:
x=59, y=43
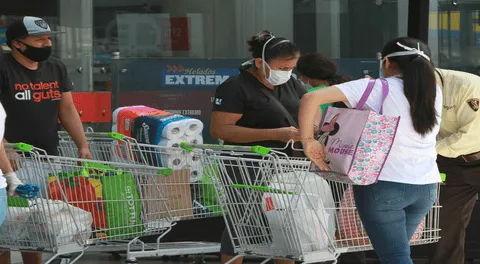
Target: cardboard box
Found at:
x=164, y=195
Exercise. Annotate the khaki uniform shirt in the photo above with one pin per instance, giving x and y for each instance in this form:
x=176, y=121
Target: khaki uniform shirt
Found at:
x=460, y=127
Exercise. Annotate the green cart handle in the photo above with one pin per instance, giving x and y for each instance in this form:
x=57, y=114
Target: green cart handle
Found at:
x=254, y=149
x=112, y=135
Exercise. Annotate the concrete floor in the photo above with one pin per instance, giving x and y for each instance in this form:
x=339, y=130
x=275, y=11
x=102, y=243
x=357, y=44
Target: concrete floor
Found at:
x=94, y=258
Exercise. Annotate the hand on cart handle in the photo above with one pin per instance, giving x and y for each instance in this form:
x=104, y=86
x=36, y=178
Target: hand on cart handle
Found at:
x=12, y=183
x=84, y=153
x=16, y=188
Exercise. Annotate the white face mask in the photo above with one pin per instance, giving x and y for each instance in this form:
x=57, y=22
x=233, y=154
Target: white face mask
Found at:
x=306, y=85
x=276, y=77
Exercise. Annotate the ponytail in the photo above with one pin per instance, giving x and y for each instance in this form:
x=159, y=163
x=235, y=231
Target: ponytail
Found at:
x=412, y=58
x=420, y=89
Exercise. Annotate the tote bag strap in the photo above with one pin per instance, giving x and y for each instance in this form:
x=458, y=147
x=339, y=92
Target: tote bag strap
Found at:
x=368, y=91
x=280, y=106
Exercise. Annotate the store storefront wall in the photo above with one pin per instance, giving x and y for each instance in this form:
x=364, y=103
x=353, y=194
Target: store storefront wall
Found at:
x=172, y=54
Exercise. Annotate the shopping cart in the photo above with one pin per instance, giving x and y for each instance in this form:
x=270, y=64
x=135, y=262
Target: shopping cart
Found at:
x=88, y=204
x=191, y=180
x=276, y=209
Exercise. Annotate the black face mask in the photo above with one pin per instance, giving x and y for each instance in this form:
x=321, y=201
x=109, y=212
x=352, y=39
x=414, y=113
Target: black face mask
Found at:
x=36, y=54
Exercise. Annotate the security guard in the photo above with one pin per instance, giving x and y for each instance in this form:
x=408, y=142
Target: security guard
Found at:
x=458, y=149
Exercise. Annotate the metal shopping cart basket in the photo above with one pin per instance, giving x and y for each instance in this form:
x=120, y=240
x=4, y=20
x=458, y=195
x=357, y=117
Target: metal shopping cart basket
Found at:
x=276, y=209
x=89, y=204
x=189, y=165
x=190, y=189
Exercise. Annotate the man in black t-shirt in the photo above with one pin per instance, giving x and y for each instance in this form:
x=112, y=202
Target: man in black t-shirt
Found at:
x=35, y=91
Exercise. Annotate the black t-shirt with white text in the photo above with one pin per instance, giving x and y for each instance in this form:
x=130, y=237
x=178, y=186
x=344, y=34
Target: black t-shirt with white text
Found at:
x=241, y=94
x=31, y=100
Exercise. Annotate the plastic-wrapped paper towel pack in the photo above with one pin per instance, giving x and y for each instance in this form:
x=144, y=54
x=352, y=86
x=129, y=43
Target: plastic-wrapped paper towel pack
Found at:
x=123, y=117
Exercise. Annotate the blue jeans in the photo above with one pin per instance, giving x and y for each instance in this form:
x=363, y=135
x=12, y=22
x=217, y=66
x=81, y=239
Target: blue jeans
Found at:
x=391, y=213
x=3, y=205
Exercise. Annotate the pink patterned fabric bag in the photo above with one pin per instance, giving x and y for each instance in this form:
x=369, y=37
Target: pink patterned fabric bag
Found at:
x=357, y=142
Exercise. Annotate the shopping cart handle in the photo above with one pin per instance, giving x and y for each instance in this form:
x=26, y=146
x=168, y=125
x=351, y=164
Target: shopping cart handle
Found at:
x=262, y=189
x=27, y=191
x=443, y=176
x=255, y=149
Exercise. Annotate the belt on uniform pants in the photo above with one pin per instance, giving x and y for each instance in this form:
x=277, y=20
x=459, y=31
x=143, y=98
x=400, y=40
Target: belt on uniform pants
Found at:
x=470, y=157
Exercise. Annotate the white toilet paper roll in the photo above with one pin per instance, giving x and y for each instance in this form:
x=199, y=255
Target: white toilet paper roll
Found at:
x=172, y=147
x=174, y=162
x=195, y=139
x=174, y=130
x=193, y=127
x=195, y=163
x=196, y=174
x=170, y=143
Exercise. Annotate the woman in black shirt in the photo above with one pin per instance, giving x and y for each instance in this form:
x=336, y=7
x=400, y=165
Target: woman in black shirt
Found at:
x=246, y=109
x=243, y=114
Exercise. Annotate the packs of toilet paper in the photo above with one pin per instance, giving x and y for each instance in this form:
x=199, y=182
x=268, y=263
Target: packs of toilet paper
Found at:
x=117, y=111
x=169, y=132
x=195, y=163
x=151, y=129
x=124, y=117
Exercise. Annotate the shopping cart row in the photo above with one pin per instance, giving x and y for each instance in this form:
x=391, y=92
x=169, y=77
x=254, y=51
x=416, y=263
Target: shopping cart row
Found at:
x=272, y=205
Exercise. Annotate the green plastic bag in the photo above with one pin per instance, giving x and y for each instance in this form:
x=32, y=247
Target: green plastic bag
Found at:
x=209, y=196
x=123, y=206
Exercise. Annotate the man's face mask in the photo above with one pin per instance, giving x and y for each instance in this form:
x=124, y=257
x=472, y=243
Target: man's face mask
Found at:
x=36, y=54
x=276, y=77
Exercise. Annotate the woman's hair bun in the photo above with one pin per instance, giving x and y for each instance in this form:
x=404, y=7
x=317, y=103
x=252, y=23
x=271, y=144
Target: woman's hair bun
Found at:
x=258, y=40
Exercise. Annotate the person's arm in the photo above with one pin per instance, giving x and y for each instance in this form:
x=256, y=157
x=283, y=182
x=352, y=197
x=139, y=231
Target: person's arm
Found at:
x=71, y=122
x=310, y=106
x=223, y=126
x=301, y=91
x=5, y=164
x=68, y=115
x=466, y=139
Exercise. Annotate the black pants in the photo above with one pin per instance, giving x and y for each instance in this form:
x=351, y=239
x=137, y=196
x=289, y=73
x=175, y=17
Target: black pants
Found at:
x=457, y=198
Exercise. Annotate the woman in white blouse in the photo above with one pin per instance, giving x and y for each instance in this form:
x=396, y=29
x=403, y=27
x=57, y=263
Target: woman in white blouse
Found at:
x=392, y=209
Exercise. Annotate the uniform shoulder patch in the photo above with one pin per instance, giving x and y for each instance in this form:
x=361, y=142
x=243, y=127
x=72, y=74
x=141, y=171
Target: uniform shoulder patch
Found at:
x=474, y=104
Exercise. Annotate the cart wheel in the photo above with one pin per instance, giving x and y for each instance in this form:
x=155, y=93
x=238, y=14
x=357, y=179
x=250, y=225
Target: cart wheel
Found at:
x=131, y=261
x=116, y=256
x=199, y=259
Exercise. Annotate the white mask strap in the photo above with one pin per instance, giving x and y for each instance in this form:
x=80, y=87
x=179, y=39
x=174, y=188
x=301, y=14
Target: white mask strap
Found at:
x=409, y=51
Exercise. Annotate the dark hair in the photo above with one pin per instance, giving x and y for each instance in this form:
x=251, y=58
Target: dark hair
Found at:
x=274, y=49
x=320, y=67
x=419, y=83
